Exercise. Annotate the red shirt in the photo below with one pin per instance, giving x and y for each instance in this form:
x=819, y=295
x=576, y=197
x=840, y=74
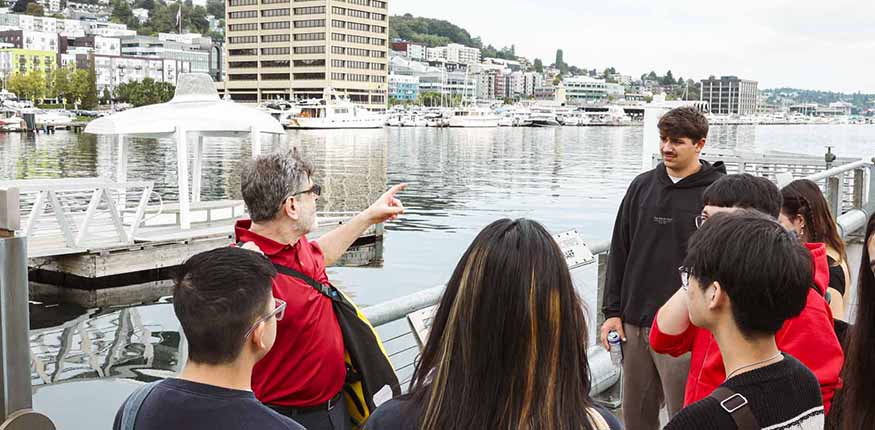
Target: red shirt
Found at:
x=810, y=338
x=305, y=367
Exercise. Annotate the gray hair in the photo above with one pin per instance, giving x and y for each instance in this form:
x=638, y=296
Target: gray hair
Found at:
x=267, y=181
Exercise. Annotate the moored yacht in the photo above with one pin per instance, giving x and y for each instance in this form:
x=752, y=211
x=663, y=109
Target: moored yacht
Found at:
x=473, y=116
x=334, y=111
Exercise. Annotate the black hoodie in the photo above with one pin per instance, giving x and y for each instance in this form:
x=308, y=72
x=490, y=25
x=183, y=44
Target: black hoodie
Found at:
x=654, y=222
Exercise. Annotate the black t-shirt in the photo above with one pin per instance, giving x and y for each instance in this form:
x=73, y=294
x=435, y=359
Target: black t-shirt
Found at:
x=399, y=414
x=184, y=405
x=783, y=395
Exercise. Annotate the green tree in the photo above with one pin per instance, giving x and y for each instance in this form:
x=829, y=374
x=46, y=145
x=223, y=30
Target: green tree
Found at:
x=61, y=86
x=560, y=58
x=106, y=98
x=216, y=8
x=78, y=86
x=668, y=79
x=89, y=98
x=538, y=65
x=34, y=9
x=121, y=12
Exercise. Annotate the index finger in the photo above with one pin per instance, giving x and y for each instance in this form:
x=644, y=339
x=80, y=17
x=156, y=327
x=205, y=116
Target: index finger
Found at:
x=396, y=189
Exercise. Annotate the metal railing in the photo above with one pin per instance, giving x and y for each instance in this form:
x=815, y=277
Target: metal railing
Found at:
x=858, y=178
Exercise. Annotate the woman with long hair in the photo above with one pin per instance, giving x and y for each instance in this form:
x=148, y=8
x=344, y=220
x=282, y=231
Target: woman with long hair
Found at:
x=806, y=211
x=859, y=392
x=508, y=344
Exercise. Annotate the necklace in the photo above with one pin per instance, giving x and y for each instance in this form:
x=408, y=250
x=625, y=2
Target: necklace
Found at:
x=753, y=364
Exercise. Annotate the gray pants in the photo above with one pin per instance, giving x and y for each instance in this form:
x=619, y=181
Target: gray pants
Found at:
x=650, y=380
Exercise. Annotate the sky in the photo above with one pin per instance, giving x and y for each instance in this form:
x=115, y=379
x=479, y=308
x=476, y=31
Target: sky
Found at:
x=820, y=45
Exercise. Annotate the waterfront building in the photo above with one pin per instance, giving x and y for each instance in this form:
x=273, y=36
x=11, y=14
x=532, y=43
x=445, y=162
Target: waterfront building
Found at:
x=278, y=51
x=730, y=95
x=50, y=6
x=31, y=40
x=516, y=84
x=17, y=60
x=587, y=90
x=616, y=91
x=512, y=65
x=114, y=70
x=141, y=14
x=98, y=44
x=454, y=53
x=403, y=88
x=532, y=80
x=168, y=49
x=410, y=50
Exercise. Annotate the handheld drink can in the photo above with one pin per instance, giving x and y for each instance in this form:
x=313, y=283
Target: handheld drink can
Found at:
x=616, y=348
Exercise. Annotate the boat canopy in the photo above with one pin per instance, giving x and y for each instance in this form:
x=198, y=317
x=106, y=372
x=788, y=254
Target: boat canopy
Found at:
x=196, y=111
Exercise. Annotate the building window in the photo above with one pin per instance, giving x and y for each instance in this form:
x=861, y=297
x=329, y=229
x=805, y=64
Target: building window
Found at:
x=338, y=76
x=241, y=64
x=338, y=10
x=275, y=25
x=310, y=63
x=309, y=76
x=309, y=36
x=360, y=2
x=309, y=50
x=357, y=39
x=358, y=13
x=273, y=1
x=246, y=77
x=378, y=4
x=242, y=2
x=358, y=26
x=313, y=10
x=244, y=14
x=240, y=52
x=338, y=37
x=275, y=76
x=275, y=12
x=243, y=39
x=378, y=29
x=378, y=42
x=336, y=23
x=378, y=54
x=268, y=38
x=274, y=51
x=378, y=16
x=243, y=27
x=308, y=23
x=376, y=78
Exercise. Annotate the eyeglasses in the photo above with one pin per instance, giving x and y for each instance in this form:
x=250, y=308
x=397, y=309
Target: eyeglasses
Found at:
x=685, y=277
x=700, y=221
x=279, y=312
x=315, y=189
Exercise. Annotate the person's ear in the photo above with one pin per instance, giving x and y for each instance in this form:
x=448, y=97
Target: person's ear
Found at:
x=700, y=144
x=257, y=337
x=800, y=221
x=290, y=208
x=717, y=296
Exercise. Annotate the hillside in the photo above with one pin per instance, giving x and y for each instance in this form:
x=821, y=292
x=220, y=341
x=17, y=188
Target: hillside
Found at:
x=859, y=100
x=436, y=32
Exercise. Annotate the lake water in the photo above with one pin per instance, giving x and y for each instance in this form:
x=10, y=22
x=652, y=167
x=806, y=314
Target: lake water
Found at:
x=459, y=181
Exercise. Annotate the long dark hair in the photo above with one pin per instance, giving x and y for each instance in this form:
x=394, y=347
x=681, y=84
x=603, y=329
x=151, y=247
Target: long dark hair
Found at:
x=803, y=197
x=507, y=348
x=860, y=360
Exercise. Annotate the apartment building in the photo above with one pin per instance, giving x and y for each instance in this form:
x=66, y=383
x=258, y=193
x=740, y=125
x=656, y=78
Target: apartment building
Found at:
x=730, y=95
x=296, y=48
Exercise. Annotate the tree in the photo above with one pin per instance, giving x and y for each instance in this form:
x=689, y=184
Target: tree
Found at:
x=216, y=8
x=145, y=92
x=20, y=6
x=106, y=98
x=34, y=9
x=668, y=79
x=62, y=83
x=89, y=98
x=539, y=65
x=560, y=58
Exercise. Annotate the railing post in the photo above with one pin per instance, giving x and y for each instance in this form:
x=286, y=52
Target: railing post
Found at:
x=871, y=198
x=834, y=194
x=15, y=389
x=600, y=289
x=859, y=184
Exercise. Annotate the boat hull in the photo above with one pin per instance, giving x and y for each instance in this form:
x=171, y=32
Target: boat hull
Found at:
x=322, y=124
x=473, y=122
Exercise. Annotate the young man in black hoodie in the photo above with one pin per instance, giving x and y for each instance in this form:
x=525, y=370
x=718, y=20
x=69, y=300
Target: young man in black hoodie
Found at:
x=654, y=222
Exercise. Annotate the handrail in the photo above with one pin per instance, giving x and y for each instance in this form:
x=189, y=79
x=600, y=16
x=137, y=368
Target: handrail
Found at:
x=844, y=168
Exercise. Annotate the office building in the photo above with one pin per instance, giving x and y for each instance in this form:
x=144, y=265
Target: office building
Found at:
x=730, y=95
x=403, y=88
x=278, y=49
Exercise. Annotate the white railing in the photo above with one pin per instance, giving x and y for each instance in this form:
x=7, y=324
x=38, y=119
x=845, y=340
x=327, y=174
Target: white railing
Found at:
x=62, y=216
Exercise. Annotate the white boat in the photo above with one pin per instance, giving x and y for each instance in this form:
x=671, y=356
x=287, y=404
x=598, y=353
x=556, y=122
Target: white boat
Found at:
x=282, y=110
x=10, y=120
x=473, y=117
x=544, y=116
x=394, y=121
x=506, y=121
x=53, y=118
x=334, y=111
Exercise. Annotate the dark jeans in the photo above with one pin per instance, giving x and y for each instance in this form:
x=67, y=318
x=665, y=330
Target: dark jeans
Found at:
x=335, y=419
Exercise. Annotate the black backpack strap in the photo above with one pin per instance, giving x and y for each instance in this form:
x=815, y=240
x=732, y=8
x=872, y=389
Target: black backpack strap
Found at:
x=737, y=407
x=132, y=405
x=324, y=289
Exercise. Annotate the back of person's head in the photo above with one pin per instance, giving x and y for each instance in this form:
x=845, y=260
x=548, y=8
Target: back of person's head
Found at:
x=219, y=295
x=858, y=412
x=805, y=207
x=268, y=180
x=684, y=122
x=507, y=348
x=745, y=191
x=763, y=269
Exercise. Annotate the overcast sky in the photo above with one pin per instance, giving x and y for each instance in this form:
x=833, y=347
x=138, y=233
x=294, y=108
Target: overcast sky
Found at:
x=823, y=44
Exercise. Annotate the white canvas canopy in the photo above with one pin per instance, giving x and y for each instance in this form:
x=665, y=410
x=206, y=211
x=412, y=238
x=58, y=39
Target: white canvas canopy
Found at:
x=195, y=111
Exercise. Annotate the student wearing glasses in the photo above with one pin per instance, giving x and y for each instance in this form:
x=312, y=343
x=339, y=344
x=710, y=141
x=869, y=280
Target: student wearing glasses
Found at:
x=224, y=302
x=303, y=375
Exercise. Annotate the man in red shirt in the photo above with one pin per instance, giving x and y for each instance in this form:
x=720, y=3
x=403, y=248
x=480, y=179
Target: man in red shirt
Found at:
x=809, y=337
x=303, y=375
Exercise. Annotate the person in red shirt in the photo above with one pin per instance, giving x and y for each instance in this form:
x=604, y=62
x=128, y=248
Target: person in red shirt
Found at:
x=303, y=375
x=809, y=337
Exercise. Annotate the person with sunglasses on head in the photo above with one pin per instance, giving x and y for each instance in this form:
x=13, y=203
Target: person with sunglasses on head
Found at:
x=743, y=277
x=809, y=337
x=225, y=305
x=304, y=374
